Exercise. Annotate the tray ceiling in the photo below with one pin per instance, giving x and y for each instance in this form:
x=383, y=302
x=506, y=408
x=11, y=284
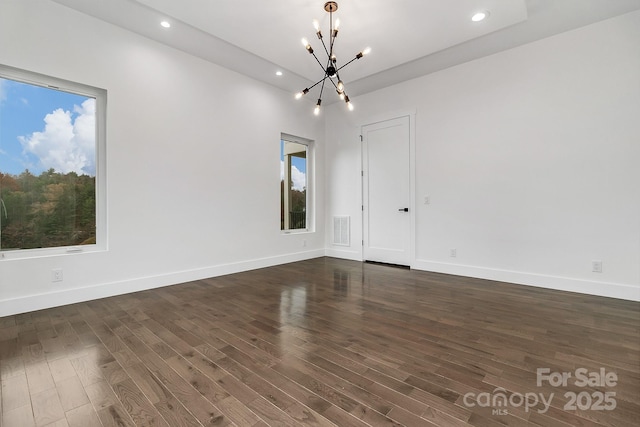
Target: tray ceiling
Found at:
x=408, y=38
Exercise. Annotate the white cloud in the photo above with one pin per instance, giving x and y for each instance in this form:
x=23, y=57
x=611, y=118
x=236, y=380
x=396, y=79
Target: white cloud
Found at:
x=67, y=143
x=298, y=179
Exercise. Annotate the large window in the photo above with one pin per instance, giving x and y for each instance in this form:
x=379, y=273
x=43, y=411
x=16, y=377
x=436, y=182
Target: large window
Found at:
x=294, y=183
x=51, y=164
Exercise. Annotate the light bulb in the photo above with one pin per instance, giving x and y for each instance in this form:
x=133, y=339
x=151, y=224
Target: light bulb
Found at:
x=366, y=51
x=316, y=110
x=342, y=96
x=340, y=86
x=301, y=94
x=316, y=25
x=349, y=104
x=335, y=27
x=306, y=45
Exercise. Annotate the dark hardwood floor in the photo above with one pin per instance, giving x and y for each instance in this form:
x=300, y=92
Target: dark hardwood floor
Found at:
x=326, y=342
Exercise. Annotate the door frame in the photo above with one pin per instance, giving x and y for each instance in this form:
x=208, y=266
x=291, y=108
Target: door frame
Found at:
x=412, y=176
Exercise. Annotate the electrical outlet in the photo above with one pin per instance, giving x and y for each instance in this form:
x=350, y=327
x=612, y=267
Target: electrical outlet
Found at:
x=56, y=275
x=596, y=266
x=453, y=253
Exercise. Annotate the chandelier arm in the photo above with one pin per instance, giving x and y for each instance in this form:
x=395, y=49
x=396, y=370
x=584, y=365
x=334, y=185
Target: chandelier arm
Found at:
x=322, y=87
x=347, y=64
x=326, y=69
x=325, y=47
x=317, y=83
x=318, y=61
x=331, y=43
x=333, y=83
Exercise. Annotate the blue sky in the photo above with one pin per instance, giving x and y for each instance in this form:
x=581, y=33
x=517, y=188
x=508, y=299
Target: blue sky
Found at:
x=43, y=128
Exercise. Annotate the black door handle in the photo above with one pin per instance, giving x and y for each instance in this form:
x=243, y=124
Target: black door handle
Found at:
x=403, y=210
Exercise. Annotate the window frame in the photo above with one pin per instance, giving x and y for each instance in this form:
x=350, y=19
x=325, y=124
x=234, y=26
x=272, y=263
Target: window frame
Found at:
x=310, y=183
x=100, y=96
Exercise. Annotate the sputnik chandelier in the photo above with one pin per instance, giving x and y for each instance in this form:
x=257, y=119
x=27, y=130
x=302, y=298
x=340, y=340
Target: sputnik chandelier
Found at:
x=331, y=70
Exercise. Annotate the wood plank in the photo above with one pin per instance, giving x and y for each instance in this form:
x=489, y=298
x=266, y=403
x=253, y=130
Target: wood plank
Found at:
x=72, y=393
x=137, y=405
x=169, y=407
x=101, y=395
x=87, y=370
x=18, y=417
x=61, y=369
x=115, y=416
x=11, y=367
x=201, y=408
x=83, y=416
x=204, y=385
x=46, y=407
x=15, y=392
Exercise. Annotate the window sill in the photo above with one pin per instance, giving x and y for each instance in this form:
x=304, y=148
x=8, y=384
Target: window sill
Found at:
x=22, y=254
x=300, y=231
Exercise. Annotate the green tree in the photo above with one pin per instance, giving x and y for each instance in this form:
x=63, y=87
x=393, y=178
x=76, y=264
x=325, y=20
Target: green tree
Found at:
x=49, y=210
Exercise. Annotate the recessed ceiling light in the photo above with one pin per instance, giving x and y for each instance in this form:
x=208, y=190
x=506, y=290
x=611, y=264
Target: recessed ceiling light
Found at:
x=165, y=24
x=278, y=73
x=480, y=16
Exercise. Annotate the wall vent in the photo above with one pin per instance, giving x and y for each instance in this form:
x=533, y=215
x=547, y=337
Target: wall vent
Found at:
x=341, y=231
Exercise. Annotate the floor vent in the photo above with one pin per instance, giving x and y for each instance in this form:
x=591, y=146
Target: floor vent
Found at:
x=341, y=230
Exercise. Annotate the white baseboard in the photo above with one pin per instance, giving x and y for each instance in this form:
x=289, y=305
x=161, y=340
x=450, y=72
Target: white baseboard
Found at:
x=344, y=254
x=70, y=296
x=605, y=289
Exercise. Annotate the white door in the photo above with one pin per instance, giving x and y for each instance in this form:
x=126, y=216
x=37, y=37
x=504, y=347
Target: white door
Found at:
x=386, y=191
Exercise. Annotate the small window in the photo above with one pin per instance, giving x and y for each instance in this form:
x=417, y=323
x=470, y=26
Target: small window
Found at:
x=294, y=183
x=51, y=163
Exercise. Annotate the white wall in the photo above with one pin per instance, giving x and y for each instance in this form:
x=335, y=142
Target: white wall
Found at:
x=193, y=161
x=531, y=159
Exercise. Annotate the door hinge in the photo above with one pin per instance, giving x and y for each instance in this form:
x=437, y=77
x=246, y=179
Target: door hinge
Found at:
x=363, y=243
x=361, y=173
x=362, y=206
x=361, y=138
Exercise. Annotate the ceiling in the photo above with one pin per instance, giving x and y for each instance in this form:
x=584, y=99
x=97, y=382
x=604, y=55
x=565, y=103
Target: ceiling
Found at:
x=408, y=38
